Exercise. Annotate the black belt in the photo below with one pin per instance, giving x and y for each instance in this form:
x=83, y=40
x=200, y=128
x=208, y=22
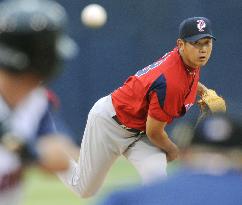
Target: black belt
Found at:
x=123, y=126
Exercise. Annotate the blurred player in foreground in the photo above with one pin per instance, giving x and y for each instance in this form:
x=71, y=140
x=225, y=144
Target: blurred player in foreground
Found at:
x=32, y=45
x=211, y=170
x=131, y=121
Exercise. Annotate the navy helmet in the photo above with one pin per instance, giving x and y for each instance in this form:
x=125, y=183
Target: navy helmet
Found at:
x=33, y=37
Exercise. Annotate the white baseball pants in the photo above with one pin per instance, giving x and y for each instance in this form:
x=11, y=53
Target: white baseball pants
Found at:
x=103, y=142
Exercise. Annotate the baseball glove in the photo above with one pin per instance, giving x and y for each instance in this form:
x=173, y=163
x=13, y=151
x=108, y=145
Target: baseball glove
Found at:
x=210, y=102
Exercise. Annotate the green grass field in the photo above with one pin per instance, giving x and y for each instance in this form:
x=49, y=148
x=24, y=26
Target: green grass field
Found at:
x=46, y=189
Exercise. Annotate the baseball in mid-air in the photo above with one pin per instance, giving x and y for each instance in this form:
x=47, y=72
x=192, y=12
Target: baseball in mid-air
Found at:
x=94, y=16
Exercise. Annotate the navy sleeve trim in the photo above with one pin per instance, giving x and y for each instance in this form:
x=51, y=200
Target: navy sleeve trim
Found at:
x=159, y=86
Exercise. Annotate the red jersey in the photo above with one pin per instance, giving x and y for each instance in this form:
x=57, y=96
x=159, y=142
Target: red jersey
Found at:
x=164, y=90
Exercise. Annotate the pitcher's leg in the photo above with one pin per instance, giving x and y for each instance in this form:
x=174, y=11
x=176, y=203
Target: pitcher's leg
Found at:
x=149, y=160
x=97, y=154
x=103, y=141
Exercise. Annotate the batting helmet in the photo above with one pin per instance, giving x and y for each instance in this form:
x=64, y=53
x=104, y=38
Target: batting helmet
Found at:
x=32, y=37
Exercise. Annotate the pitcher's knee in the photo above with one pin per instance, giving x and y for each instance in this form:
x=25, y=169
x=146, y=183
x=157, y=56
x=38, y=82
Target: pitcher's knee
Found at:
x=153, y=168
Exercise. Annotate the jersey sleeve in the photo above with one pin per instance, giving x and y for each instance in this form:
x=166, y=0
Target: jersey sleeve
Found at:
x=156, y=111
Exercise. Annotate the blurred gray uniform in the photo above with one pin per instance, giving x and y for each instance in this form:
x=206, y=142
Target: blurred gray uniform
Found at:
x=25, y=122
x=32, y=43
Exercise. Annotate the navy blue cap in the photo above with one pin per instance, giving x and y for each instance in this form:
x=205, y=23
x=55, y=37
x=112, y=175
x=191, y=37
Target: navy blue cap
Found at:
x=195, y=28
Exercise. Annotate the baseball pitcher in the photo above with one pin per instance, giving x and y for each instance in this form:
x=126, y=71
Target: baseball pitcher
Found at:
x=131, y=120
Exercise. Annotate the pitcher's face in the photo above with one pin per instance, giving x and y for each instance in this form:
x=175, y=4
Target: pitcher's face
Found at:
x=196, y=54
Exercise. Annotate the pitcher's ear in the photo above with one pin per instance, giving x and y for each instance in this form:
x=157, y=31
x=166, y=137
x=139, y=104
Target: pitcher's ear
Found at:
x=179, y=43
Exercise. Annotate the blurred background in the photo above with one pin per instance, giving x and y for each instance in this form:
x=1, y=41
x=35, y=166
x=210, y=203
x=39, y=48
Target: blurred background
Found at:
x=138, y=32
